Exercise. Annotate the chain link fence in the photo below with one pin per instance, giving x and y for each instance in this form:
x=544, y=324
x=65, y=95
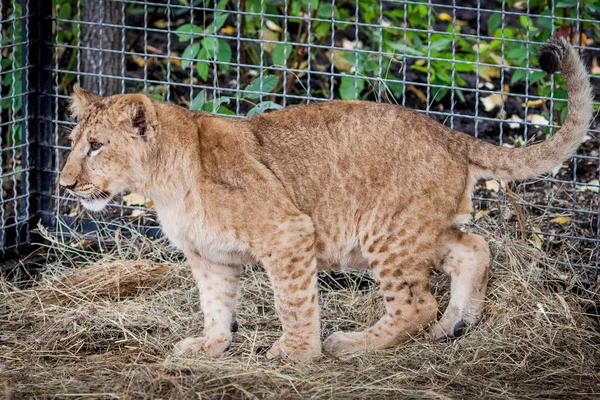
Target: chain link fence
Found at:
x=15, y=167
x=470, y=65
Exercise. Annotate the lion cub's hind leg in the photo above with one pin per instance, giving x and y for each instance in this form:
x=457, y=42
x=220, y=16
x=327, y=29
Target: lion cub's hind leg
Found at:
x=400, y=256
x=465, y=258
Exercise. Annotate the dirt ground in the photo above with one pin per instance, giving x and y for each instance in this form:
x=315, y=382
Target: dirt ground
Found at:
x=101, y=322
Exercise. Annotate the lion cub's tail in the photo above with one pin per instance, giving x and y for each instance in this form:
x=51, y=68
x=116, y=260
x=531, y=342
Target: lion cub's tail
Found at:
x=489, y=161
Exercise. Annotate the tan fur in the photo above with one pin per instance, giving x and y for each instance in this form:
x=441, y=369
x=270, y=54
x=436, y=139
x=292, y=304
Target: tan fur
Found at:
x=336, y=184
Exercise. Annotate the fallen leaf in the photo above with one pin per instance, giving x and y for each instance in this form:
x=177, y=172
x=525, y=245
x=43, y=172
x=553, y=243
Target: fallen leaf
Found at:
x=136, y=213
x=537, y=119
x=134, y=199
x=273, y=26
x=480, y=214
x=517, y=121
x=445, y=17
x=560, y=220
x=595, y=67
x=142, y=61
x=448, y=18
x=487, y=72
x=492, y=185
x=538, y=238
x=492, y=101
x=341, y=62
x=175, y=61
x=352, y=45
x=592, y=186
x=418, y=92
x=161, y=24
x=269, y=35
x=533, y=103
x=153, y=49
x=81, y=244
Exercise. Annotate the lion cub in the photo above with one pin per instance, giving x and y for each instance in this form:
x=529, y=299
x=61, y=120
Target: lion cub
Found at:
x=342, y=184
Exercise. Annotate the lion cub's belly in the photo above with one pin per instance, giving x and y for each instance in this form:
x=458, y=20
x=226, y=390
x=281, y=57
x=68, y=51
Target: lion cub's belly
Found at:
x=344, y=260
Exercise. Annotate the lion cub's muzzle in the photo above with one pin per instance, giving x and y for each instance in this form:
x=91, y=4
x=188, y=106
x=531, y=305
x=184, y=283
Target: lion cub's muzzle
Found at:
x=92, y=197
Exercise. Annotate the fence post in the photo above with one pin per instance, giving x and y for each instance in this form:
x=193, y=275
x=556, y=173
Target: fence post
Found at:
x=40, y=106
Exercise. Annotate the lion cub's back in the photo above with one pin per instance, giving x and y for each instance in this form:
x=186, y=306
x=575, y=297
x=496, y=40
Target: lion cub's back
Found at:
x=360, y=147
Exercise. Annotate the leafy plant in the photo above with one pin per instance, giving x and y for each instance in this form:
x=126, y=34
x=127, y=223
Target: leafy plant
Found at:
x=12, y=84
x=203, y=49
x=263, y=85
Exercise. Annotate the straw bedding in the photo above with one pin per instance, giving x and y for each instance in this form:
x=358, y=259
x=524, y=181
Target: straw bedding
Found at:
x=101, y=324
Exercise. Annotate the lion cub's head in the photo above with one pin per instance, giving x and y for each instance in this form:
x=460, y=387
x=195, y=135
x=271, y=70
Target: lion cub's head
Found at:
x=110, y=146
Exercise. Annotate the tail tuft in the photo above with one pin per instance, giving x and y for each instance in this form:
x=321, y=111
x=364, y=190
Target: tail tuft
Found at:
x=552, y=53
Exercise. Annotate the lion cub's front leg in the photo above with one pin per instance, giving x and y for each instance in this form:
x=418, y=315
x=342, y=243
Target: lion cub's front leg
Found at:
x=217, y=284
x=288, y=256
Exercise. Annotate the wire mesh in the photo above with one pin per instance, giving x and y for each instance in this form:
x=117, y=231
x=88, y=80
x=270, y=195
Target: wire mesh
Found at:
x=14, y=128
x=470, y=65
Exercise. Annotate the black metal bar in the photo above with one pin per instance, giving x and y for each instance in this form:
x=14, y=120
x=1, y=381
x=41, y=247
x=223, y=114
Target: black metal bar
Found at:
x=40, y=104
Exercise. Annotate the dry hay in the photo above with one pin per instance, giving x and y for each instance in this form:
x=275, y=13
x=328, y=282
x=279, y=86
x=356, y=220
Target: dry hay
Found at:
x=105, y=330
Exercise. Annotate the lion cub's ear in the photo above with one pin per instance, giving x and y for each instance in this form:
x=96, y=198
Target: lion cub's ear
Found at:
x=136, y=114
x=81, y=99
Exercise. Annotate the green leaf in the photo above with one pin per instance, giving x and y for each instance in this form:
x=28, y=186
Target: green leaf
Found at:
x=183, y=32
x=517, y=76
x=494, y=23
x=537, y=76
x=397, y=88
x=347, y=87
x=202, y=68
x=461, y=67
x=220, y=21
x=278, y=56
x=190, y=53
x=222, y=4
x=198, y=101
x=517, y=54
x=545, y=19
x=440, y=44
x=566, y=3
x=64, y=11
x=460, y=95
x=262, y=107
x=223, y=51
x=268, y=85
x=404, y=48
x=209, y=105
x=325, y=10
x=209, y=44
x=224, y=111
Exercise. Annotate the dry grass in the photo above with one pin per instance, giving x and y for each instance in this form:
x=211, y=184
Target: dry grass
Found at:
x=105, y=330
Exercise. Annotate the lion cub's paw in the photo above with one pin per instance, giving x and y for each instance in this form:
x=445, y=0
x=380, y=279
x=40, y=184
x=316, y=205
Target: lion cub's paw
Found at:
x=299, y=353
x=194, y=346
x=340, y=343
x=445, y=330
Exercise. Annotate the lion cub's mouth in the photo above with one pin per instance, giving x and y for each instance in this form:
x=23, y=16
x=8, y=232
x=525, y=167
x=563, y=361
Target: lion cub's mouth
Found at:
x=95, y=201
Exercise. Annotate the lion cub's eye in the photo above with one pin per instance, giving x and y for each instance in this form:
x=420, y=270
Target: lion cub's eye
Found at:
x=95, y=146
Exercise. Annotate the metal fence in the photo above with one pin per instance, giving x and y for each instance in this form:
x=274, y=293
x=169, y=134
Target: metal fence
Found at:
x=471, y=65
